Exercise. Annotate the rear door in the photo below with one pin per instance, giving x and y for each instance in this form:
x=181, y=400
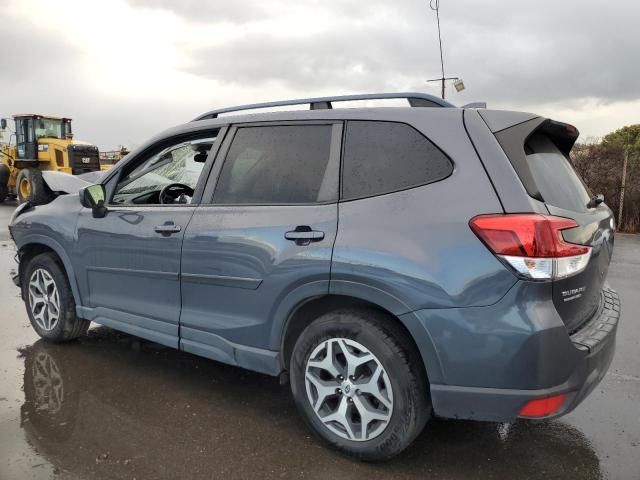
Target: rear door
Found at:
x=540, y=155
x=267, y=229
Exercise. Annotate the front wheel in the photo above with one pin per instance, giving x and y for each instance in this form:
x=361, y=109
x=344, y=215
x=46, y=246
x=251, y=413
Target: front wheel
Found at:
x=49, y=301
x=358, y=381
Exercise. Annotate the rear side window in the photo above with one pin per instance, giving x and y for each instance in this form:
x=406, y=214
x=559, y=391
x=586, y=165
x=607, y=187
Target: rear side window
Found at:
x=278, y=165
x=384, y=157
x=554, y=175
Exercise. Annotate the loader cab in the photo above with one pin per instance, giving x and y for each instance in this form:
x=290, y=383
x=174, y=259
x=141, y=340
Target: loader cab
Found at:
x=30, y=128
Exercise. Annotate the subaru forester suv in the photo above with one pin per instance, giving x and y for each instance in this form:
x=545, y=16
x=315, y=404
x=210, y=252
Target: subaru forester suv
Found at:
x=392, y=263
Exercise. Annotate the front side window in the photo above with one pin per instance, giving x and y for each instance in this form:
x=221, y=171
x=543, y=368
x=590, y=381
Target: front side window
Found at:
x=168, y=176
x=49, y=128
x=66, y=128
x=384, y=157
x=277, y=165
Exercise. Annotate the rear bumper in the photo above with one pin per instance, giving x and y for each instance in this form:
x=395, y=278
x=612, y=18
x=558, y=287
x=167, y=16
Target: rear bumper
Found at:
x=595, y=347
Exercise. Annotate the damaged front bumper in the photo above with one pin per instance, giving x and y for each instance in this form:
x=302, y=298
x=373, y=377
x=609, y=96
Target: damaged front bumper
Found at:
x=15, y=274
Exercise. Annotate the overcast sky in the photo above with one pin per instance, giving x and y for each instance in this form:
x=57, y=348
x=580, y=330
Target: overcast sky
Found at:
x=124, y=70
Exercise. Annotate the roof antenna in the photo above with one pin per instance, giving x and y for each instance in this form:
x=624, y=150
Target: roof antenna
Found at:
x=435, y=6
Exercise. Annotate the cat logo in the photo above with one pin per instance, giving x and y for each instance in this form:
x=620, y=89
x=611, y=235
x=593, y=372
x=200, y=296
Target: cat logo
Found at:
x=86, y=160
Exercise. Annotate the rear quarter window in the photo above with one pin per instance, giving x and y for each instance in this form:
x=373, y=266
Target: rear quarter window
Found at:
x=555, y=177
x=385, y=157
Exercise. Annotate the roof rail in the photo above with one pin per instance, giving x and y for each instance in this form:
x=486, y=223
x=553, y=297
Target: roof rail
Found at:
x=415, y=99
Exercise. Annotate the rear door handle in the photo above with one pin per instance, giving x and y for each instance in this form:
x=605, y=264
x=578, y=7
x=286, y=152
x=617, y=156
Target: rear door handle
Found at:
x=304, y=235
x=167, y=229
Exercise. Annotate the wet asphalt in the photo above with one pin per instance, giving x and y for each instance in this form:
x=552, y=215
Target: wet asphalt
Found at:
x=113, y=406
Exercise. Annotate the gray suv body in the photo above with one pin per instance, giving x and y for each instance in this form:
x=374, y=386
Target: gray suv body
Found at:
x=378, y=256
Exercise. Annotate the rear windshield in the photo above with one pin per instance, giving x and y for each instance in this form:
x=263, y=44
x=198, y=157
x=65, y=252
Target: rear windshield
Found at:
x=557, y=181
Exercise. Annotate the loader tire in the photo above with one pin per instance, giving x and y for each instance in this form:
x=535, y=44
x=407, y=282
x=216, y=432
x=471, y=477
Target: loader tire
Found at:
x=5, y=173
x=30, y=187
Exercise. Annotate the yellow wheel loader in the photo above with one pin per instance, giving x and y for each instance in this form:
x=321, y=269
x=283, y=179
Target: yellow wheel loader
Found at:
x=40, y=142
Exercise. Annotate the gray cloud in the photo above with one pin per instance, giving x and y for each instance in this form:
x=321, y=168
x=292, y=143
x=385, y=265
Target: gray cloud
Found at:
x=536, y=53
x=322, y=60
x=562, y=51
x=41, y=73
x=511, y=54
x=211, y=11
x=26, y=51
x=245, y=11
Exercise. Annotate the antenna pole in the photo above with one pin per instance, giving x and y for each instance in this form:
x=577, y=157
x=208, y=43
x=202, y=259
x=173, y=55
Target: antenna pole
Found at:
x=435, y=5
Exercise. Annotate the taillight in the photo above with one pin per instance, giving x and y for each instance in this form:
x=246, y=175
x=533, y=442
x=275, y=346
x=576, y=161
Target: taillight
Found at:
x=543, y=407
x=532, y=244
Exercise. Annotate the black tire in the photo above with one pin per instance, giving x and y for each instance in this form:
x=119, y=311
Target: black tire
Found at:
x=40, y=194
x=69, y=326
x=5, y=173
x=392, y=347
x=4, y=192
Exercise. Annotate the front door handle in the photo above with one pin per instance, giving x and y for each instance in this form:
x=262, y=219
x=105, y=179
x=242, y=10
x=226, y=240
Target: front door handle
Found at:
x=304, y=235
x=167, y=229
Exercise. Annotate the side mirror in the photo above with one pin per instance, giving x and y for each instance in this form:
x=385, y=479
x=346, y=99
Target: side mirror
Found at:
x=3, y=123
x=595, y=201
x=93, y=197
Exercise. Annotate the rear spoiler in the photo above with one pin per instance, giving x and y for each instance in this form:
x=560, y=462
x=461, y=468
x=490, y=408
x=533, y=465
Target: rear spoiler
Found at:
x=562, y=134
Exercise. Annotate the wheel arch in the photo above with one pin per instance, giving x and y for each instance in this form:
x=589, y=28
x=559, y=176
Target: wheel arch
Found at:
x=309, y=309
x=37, y=244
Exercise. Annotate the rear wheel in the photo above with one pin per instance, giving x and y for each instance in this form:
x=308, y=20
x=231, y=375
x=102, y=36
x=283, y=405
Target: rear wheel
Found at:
x=30, y=187
x=4, y=192
x=359, y=383
x=49, y=301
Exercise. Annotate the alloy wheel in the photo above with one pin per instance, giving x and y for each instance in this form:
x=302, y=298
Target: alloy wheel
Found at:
x=44, y=299
x=47, y=381
x=349, y=389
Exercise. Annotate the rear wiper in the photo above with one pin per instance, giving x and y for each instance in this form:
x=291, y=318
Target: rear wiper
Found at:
x=595, y=201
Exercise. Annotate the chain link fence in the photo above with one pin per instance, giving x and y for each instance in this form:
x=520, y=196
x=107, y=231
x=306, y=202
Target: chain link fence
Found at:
x=601, y=164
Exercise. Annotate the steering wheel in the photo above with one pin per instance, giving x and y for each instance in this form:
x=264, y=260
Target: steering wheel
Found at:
x=175, y=191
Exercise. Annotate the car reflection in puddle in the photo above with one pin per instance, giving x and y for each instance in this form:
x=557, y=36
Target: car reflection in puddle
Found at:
x=114, y=406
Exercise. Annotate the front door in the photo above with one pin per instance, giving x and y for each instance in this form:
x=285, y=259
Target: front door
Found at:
x=26, y=142
x=128, y=262
x=267, y=230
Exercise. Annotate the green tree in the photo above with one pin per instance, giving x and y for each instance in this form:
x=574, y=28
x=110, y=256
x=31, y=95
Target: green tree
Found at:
x=625, y=137
x=600, y=163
